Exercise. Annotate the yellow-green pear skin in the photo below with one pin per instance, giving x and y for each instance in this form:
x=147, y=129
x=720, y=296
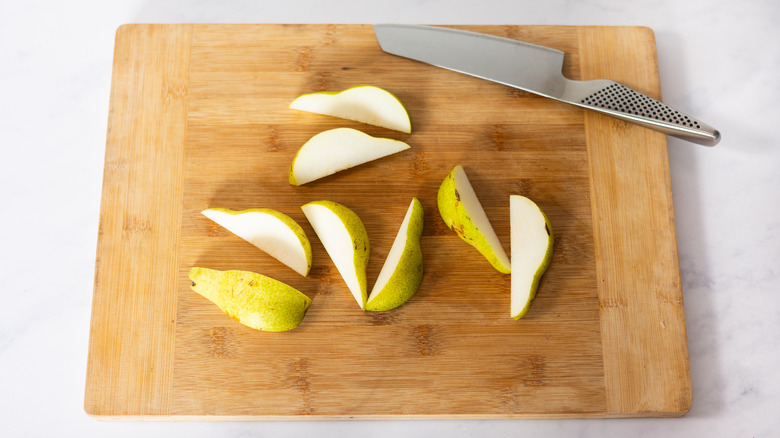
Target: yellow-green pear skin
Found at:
x=530, y=236
x=407, y=275
x=359, y=245
x=252, y=299
x=454, y=214
x=291, y=173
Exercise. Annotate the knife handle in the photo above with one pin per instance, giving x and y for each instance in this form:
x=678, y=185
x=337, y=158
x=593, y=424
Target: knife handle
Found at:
x=617, y=100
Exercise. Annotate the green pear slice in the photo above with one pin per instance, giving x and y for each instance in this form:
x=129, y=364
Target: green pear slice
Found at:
x=402, y=272
x=338, y=149
x=463, y=213
x=269, y=230
x=531, y=247
x=252, y=299
x=346, y=241
x=364, y=103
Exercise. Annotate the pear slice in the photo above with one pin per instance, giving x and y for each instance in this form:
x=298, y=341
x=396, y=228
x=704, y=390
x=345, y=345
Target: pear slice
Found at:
x=271, y=231
x=338, y=149
x=462, y=212
x=345, y=239
x=364, y=103
x=252, y=299
x=532, y=247
x=402, y=273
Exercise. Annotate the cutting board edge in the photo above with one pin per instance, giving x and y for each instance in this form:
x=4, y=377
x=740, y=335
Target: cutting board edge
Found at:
x=629, y=290
x=130, y=222
x=421, y=417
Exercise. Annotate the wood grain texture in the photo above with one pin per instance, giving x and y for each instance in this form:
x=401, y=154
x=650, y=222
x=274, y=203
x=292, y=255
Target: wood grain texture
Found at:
x=134, y=306
x=640, y=295
x=157, y=349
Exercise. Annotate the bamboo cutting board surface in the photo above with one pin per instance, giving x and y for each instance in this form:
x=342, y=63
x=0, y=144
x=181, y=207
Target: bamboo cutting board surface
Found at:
x=199, y=118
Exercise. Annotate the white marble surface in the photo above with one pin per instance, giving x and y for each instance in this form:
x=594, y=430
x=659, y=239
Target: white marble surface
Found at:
x=719, y=60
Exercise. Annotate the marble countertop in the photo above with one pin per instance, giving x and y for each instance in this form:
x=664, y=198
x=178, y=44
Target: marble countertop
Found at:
x=718, y=60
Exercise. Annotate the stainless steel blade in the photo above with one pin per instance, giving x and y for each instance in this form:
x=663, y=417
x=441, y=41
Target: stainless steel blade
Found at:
x=538, y=70
x=526, y=66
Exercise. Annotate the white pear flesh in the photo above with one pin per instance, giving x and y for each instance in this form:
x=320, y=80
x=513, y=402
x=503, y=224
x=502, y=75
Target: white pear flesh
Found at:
x=269, y=230
x=345, y=240
x=365, y=103
x=402, y=272
x=339, y=149
x=531, y=248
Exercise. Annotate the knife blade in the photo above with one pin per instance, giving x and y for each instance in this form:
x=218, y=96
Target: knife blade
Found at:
x=539, y=70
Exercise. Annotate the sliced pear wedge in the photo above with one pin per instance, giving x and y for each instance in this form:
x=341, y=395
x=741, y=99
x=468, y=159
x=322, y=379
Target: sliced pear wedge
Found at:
x=269, y=230
x=252, y=299
x=364, y=103
x=338, y=149
x=346, y=241
x=532, y=248
x=463, y=213
x=402, y=272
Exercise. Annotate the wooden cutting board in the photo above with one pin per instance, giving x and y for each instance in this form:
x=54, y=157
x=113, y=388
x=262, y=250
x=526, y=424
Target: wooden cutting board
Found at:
x=199, y=118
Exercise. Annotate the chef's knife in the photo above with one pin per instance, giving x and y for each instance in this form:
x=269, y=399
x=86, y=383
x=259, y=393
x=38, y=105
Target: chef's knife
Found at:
x=538, y=70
